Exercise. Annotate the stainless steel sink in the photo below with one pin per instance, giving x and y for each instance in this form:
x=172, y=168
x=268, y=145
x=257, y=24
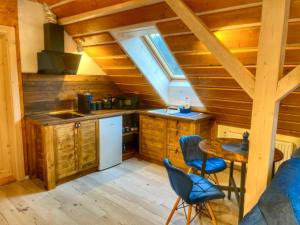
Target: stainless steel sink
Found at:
x=66, y=115
x=173, y=112
x=164, y=111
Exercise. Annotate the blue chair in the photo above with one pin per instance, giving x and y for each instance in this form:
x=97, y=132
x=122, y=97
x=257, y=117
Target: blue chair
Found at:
x=193, y=157
x=193, y=190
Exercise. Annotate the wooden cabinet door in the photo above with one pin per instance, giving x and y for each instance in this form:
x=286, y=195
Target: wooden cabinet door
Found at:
x=176, y=129
x=11, y=152
x=88, y=145
x=176, y=157
x=152, y=137
x=65, y=150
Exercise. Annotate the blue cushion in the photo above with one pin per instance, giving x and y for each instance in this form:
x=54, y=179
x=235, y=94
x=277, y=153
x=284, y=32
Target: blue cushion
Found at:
x=280, y=203
x=254, y=217
x=213, y=165
x=287, y=182
x=203, y=190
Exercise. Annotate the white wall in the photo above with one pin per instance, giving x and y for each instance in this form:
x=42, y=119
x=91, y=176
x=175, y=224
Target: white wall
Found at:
x=179, y=90
x=31, y=20
x=235, y=132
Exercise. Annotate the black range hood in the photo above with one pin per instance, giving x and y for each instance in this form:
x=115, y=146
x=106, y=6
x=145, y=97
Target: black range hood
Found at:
x=53, y=60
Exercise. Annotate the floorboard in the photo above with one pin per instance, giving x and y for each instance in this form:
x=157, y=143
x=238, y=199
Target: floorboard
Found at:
x=133, y=193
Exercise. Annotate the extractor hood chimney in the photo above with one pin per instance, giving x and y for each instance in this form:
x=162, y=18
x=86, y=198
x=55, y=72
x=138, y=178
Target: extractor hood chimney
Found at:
x=53, y=60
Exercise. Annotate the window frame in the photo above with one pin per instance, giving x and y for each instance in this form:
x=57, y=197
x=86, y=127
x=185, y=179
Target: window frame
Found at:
x=160, y=59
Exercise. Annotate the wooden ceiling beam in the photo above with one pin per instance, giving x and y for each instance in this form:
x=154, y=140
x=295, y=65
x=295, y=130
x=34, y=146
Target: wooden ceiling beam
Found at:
x=53, y=4
x=288, y=83
x=234, y=67
x=133, y=4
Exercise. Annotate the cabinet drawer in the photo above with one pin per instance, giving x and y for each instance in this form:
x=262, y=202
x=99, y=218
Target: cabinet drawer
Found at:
x=181, y=125
x=173, y=136
x=152, y=123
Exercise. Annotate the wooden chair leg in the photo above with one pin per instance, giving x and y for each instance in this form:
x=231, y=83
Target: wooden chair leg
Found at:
x=189, y=214
x=211, y=213
x=190, y=170
x=173, y=210
x=216, y=179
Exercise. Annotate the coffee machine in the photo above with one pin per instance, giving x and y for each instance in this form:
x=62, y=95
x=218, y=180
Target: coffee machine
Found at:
x=84, y=103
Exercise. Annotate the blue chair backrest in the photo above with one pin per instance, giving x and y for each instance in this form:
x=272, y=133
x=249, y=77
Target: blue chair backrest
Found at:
x=190, y=147
x=180, y=182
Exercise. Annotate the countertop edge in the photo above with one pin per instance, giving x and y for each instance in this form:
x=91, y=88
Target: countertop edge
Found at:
x=46, y=120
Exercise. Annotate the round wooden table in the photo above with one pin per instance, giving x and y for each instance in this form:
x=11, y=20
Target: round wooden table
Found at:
x=215, y=148
x=229, y=149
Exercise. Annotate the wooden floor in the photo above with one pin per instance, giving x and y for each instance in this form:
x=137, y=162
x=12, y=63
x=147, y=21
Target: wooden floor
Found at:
x=134, y=193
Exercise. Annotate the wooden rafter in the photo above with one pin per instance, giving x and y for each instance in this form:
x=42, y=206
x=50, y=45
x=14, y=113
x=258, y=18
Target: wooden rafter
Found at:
x=107, y=11
x=288, y=83
x=235, y=68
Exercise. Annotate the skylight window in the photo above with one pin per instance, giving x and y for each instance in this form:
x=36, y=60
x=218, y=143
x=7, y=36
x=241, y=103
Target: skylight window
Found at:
x=164, y=56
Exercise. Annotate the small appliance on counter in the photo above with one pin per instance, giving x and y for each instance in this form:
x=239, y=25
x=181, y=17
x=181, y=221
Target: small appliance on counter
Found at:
x=84, y=103
x=128, y=102
x=107, y=102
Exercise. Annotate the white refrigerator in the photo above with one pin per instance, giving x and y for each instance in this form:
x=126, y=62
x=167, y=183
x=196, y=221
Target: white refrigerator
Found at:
x=110, y=142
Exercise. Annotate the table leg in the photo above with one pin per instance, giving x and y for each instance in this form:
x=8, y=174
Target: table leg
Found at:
x=242, y=192
x=230, y=177
x=273, y=169
x=203, y=164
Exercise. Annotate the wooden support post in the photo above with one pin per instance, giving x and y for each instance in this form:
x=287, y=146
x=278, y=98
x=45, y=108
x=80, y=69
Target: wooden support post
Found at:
x=288, y=83
x=271, y=55
x=234, y=67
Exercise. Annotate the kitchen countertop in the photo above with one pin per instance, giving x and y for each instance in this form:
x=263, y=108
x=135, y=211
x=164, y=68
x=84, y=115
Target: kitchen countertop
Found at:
x=46, y=118
x=201, y=116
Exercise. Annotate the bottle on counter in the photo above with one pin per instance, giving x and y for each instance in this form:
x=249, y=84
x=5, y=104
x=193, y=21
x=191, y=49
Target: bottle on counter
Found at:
x=187, y=103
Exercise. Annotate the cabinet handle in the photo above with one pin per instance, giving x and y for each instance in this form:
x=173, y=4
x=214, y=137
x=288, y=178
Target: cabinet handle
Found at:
x=177, y=123
x=176, y=151
x=177, y=132
x=77, y=125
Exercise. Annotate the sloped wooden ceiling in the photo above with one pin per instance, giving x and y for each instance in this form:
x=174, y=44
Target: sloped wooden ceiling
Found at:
x=235, y=22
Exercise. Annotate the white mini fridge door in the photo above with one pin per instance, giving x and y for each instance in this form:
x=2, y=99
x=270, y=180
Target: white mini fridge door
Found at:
x=110, y=142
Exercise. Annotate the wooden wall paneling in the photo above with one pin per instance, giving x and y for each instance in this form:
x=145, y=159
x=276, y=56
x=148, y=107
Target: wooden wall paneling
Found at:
x=115, y=62
x=234, y=19
x=46, y=93
x=219, y=71
x=64, y=8
x=123, y=72
x=213, y=82
x=236, y=69
x=161, y=11
x=106, y=49
x=221, y=93
x=103, y=11
x=97, y=39
x=248, y=57
x=81, y=6
x=227, y=103
x=233, y=39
